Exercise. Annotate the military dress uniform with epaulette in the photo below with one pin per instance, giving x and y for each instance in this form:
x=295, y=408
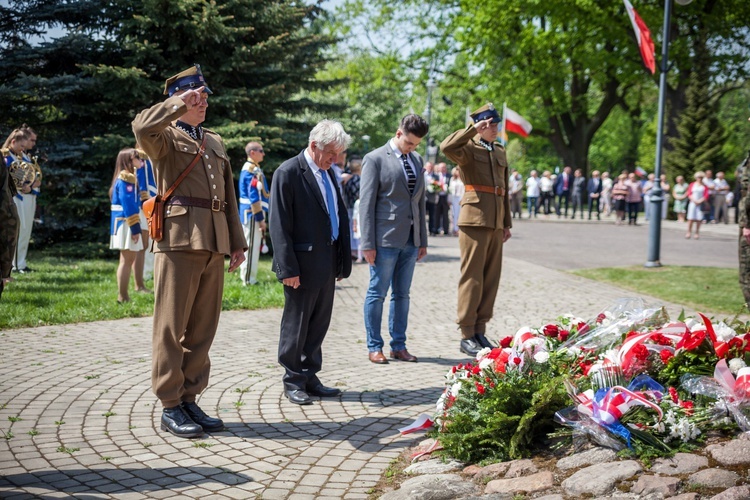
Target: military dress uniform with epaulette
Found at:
x=485, y=214
x=201, y=226
x=253, y=210
x=8, y=222
x=743, y=208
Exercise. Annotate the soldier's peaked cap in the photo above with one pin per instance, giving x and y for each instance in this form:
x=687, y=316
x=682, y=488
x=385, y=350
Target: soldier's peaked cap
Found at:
x=486, y=111
x=191, y=78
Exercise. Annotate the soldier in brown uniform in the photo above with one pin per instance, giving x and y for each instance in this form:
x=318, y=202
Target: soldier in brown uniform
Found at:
x=201, y=226
x=743, y=211
x=484, y=222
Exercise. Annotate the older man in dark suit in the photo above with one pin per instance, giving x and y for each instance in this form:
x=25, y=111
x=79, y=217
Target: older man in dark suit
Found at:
x=309, y=228
x=394, y=232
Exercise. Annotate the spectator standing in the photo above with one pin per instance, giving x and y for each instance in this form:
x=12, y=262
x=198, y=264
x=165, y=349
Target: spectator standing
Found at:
x=392, y=213
x=431, y=199
x=647, y=187
x=578, y=191
x=26, y=204
x=442, y=207
x=546, y=185
x=456, y=189
x=201, y=227
x=516, y=193
x=125, y=227
x=620, y=192
x=634, y=199
x=253, y=209
x=594, y=190
x=563, y=184
x=697, y=206
x=721, y=190
x=8, y=211
x=710, y=183
x=352, y=181
x=665, y=190
x=309, y=229
x=533, y=191
x=680, y=195
x=606, y=196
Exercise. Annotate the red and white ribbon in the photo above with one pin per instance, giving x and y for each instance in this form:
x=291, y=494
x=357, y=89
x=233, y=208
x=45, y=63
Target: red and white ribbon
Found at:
x=422, y=422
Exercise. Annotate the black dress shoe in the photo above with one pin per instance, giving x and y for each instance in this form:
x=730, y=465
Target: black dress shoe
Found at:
x=298, y=397
x=483, y=341
x=322, y=391
x=198, y=416
x=176, y=421
x=470, y=347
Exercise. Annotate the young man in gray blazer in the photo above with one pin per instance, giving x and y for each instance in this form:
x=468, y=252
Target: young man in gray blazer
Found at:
x=394, y=232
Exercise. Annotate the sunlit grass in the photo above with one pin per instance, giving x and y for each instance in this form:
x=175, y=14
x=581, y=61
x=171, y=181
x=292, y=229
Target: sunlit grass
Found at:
x=704, y=289
x=67, y=290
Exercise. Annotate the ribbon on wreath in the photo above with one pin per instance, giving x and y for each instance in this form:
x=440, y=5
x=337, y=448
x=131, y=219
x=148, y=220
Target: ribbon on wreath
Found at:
x=737, y=389
x=610, y=403
x=421, y=423
x=673, y=331
x=525, y=339
x=731, y=393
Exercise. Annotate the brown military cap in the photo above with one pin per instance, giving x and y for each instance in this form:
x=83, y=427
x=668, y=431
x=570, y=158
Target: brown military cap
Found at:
x=191, y=78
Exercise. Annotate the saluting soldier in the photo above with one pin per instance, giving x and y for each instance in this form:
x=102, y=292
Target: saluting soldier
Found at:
x=253, y=209
x=201, y=226
x=484, y=222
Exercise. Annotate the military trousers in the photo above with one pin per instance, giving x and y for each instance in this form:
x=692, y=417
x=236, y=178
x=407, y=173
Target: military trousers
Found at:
x=481, y=265
x=188, y=287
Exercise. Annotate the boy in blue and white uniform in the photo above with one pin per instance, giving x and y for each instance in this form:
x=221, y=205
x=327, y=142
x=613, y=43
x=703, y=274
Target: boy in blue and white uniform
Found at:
x=253, y=208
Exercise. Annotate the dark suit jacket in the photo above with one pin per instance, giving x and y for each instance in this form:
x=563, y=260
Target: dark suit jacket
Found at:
x=557, y=187
x=301, y=229
x=594, y=186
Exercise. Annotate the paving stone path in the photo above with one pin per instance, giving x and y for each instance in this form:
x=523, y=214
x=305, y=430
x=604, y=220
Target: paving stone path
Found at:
x=79, y=418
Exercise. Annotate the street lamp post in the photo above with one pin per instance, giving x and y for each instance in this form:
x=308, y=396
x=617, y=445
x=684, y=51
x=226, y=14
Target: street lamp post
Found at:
x=430, y=88
x=657, y=198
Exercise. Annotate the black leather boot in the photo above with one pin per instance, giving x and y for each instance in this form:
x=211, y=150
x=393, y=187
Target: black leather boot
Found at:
x=176, y=421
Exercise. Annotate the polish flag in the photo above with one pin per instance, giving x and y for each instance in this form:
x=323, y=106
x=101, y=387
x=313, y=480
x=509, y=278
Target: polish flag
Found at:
x=643, y=36
x=516, y=123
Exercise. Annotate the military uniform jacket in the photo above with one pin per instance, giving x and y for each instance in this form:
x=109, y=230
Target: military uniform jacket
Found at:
x=480, y=167
x=171, y=150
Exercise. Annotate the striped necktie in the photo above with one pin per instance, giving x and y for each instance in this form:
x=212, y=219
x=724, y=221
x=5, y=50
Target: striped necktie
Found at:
x=411, y=177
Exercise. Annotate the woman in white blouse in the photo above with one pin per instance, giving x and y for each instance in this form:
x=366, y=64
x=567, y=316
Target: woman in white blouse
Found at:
x=456, y=190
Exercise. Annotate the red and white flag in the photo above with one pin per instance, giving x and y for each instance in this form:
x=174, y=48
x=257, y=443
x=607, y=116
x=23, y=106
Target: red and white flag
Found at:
x=643, y=36
x=516, y=123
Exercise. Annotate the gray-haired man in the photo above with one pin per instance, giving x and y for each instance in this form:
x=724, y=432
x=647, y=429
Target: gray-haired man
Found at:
x=309, y=228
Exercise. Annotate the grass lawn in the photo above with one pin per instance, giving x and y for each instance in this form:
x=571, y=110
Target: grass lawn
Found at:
x=69, y=290
x=698, y=289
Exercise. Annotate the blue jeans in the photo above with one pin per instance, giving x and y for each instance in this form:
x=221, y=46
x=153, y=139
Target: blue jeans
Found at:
x=394, y=268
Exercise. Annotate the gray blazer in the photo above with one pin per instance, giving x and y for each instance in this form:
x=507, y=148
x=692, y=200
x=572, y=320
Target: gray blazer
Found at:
x=387, y=211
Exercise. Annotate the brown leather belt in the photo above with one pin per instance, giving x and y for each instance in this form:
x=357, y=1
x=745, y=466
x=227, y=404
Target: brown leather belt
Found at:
x=186, y=201
x=486, y=189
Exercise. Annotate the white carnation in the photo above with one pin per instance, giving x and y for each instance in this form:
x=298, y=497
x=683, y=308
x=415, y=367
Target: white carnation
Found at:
x=483, y=353
x=485, y=362
x=541, y=357
x=724, y=332
x=736, y=364
x=694, y=324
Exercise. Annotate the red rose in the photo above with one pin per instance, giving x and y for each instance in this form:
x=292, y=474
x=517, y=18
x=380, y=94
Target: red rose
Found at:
x=666, y=355
x=582, y=327
x=563, y=335
x=640, y=352
x=600, y=317
x=505, y=342
x=480, y=387
x=551, y=330
x=673, y=394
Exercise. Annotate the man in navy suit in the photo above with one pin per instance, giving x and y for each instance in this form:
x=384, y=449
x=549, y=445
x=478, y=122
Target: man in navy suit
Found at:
x=561, y=188
x=594, y=189
x=309, y=227
x=394, y=232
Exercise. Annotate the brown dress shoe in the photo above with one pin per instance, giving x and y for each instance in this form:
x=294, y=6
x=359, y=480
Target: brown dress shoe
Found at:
x=403, y=355
x=378, y=358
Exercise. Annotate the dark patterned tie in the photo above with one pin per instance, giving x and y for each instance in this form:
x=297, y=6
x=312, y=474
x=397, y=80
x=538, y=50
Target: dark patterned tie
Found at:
x=410, y=175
